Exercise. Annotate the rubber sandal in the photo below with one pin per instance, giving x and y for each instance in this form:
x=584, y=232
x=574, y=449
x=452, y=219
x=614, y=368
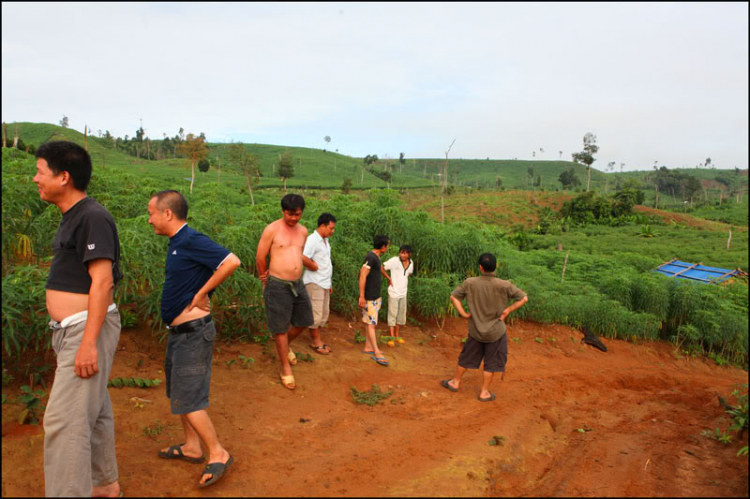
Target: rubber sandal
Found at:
x=488, y=399
x=368, y=353
x=292, y=358
x=169, y=454
x=448, y=386
x=321, y=349
x=216, y=470
x=380, y=360
x=288, y=381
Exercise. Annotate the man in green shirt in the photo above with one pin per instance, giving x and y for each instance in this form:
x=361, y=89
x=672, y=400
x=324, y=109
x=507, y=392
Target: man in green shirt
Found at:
x=487, y=297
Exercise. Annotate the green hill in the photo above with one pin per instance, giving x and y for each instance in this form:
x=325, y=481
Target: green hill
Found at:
x=317, y=168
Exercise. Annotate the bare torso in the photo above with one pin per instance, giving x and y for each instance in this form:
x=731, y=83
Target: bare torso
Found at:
x=62, y=304
x=286, y=250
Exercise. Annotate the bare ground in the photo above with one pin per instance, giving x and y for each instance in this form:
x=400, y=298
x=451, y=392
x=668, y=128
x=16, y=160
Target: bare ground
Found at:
x=644, y=407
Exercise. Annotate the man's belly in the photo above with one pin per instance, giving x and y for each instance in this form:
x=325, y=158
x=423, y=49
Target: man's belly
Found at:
x=286, y=264
x=62, y=304
x=186, y=316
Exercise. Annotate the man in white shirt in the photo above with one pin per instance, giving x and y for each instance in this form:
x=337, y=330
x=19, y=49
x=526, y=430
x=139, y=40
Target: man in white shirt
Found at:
x=401, y=268
x=316, y=257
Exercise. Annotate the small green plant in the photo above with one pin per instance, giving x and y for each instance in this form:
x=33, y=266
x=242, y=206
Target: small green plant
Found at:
x=497, y=440
x=132, y=382
x=553, y=339
x=371, y=397
x=246, y=361
x=539, y=340
x=516, y=339
x=4, y=398
x=35, y=374
x=230, y=362
x=154, y=431
x=718, y=435
x=128, y=319
x=716, y=357
x=739, y=412
x=585, y=429
x=358, y=338
x=7, y=378
x=32, y=401
x=463, y=340
x=646, y=231
x=742, y=452
x=304, y=357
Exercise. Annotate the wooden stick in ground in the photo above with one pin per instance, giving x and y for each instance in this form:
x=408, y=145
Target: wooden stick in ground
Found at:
x=730, y=238
x=565, y=264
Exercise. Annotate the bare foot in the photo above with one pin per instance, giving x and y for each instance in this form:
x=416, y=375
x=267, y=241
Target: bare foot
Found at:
x=453, y=384
x=111, y=490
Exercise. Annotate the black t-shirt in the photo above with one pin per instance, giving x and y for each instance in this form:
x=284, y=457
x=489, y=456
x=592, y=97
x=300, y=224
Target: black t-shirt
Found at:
x=372, y=282
x=87, y=232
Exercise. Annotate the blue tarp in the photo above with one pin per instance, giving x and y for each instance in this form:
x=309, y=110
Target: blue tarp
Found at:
x=695, y=272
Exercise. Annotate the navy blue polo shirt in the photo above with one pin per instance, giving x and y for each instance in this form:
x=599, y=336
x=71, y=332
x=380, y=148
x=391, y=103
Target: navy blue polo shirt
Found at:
x=192, y=258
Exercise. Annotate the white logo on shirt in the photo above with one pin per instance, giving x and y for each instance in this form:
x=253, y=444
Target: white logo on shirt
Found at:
x=174, y=252
x=92, y=246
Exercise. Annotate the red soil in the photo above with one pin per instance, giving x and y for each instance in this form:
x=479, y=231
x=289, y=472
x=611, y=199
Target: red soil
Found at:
x=645, y=408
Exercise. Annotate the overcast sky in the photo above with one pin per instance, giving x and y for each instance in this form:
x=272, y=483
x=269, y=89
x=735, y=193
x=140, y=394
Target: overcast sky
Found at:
x=663, y=82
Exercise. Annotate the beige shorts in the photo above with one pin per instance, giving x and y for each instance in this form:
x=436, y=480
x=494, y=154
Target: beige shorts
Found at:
x=396, y=311
x=320, y=299
x=370, y=312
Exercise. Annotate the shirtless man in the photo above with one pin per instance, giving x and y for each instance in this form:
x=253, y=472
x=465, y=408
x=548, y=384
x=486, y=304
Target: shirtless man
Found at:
x=284, y=294
x=79, y=432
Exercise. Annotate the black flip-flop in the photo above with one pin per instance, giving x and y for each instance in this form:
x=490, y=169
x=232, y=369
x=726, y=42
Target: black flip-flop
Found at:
x=488, y=399
x=216, y=470
x=171, y=455
x=448, y=385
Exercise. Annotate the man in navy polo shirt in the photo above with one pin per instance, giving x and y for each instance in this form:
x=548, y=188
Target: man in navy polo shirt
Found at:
x=195, y=267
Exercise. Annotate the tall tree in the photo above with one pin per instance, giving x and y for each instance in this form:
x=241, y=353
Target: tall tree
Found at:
x=249, y=165
x=286, y=168
x=64, y=122
x=587, y=155
x=401, y=161
x=204, y=165
x=194, y=148
x=327, y=139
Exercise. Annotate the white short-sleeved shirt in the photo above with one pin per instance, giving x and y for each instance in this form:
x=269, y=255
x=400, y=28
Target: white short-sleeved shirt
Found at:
x=318, y=250
x=399, y=276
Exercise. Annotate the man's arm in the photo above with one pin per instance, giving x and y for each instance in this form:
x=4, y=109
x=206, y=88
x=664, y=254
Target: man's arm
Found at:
x=459, y=307
x=309, y=264
x=382, y=271
x=86, y=362
x=227, y=268
x=520, y=303
x=264, y=246
x=363, y=273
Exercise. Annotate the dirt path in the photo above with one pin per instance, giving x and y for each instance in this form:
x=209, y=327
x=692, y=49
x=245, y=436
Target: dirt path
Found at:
x=690, y=221
x=645, y=410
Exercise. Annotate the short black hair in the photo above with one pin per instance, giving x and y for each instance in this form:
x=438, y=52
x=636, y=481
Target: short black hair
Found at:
x=488, y=262
x=174, y=200
x=379, y=241
x=405, y=247
x=63, y=156
x=325, y=219
x=291, y=202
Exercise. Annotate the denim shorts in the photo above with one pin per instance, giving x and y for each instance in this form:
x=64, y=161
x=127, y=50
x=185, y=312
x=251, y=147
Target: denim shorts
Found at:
x=187, y=366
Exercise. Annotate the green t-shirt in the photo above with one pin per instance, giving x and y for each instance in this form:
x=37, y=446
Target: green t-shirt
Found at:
x=487, y=296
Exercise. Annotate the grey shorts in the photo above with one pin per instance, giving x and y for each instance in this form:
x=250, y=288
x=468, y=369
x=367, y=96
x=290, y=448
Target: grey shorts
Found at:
x=495, y=354
x=187, y=366
x=283, y=308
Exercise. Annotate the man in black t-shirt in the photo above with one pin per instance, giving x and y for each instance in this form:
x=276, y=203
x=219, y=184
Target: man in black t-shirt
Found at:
x=369, y=295
x=79, y=436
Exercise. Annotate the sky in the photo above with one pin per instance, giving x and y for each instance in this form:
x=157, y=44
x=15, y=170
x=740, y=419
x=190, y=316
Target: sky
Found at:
x=657, y=83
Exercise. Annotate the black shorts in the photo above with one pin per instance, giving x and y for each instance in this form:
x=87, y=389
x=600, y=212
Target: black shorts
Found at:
x=187, y=367
x=283, y=308
x=495, y=354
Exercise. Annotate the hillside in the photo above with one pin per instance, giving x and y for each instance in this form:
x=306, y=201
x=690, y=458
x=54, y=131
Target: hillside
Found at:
x=319, y=168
